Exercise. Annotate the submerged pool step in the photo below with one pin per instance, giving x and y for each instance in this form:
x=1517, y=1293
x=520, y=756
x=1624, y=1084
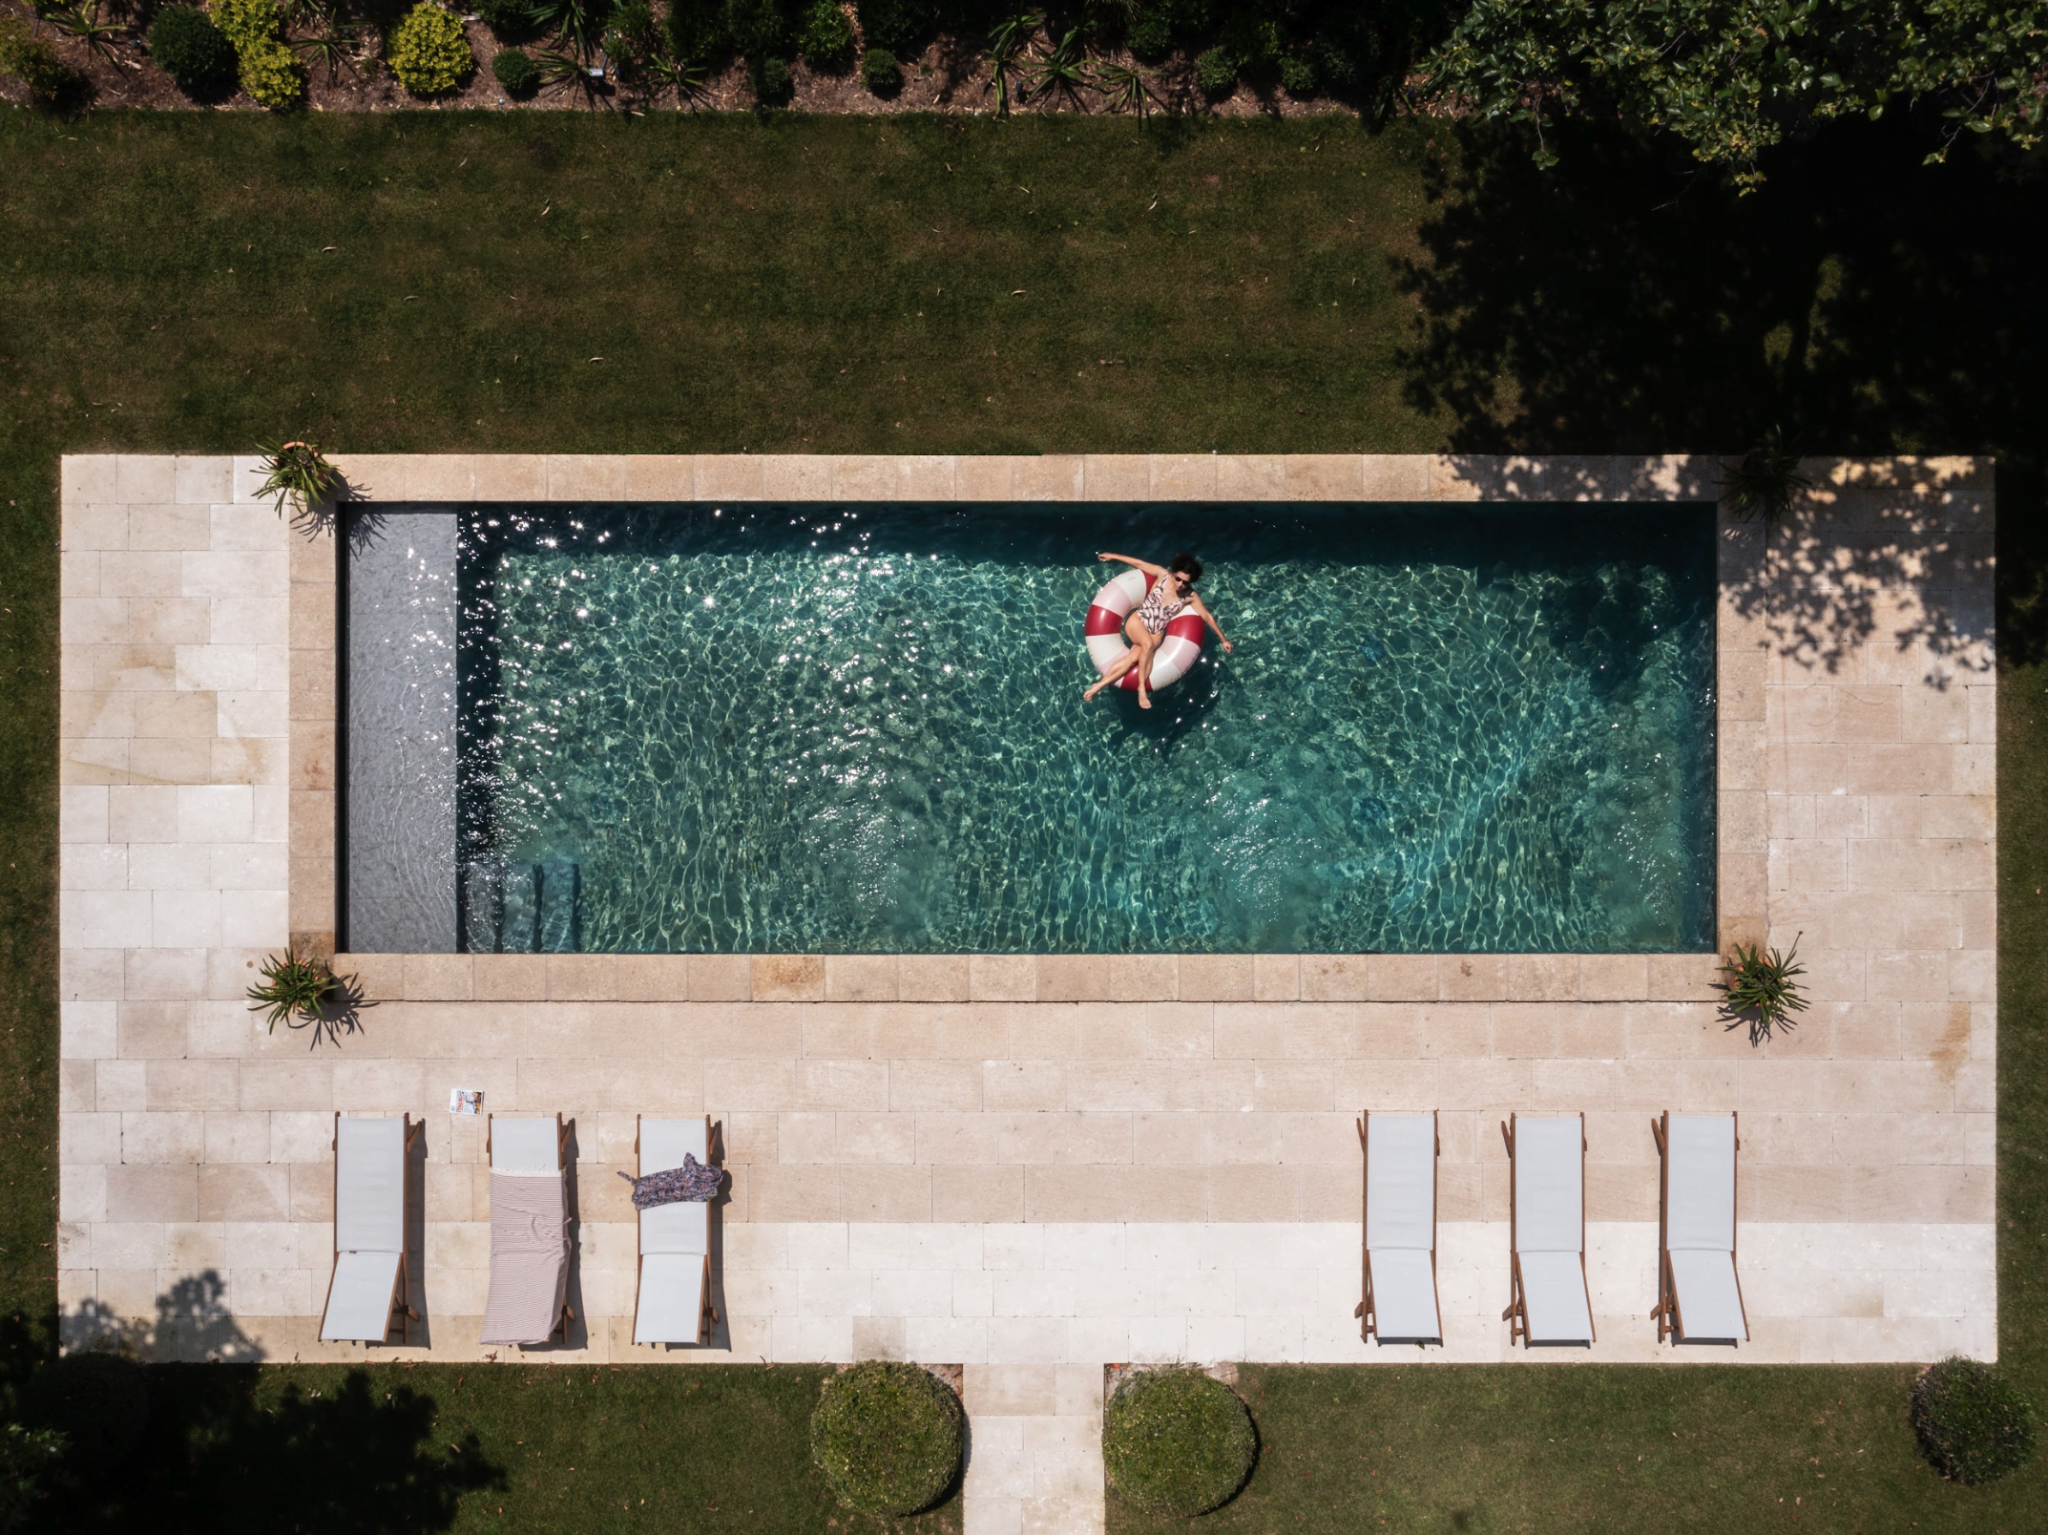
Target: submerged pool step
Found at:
x=520, y=908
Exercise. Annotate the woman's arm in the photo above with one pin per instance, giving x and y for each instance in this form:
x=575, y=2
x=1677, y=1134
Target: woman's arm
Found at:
x=1209, y=618
x=1147, y=566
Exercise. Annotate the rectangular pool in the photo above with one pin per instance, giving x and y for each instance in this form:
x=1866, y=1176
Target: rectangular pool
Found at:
x=809, y=728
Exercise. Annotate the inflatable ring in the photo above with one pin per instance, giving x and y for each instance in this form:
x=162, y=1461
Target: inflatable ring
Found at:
x=1178, y=647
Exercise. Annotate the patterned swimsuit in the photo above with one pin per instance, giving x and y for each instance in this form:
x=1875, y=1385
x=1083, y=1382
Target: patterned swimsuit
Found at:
x=1155, y=612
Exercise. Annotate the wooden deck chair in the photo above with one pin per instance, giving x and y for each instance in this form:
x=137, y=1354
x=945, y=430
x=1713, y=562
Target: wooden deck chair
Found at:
x=1699, y=1296
x=1551, y=1303
x=672, y=1296
x=367, y=1289
x=528, y=1299
x=1400, y=1304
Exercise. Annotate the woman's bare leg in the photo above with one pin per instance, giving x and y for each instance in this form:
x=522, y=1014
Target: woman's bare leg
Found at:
x=1145, y=675
x=1122, y=664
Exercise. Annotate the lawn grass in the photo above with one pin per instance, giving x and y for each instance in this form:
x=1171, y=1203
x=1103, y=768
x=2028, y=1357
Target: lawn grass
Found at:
x=166, y=284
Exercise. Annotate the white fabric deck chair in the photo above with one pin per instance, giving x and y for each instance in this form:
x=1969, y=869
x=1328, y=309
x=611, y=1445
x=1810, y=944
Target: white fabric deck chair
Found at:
x=529, y=1231
x=1699, y=1298
x=672, y=1301
x=1400, y=1304
x=368, y=1288
x=1547, y=1224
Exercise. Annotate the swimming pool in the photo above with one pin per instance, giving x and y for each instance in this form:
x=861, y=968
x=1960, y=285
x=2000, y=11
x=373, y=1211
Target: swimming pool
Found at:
x=808, y=728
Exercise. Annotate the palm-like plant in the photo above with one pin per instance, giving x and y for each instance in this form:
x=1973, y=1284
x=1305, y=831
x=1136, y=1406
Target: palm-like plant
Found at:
x=579, y=22
x=1762, y=990
x=1764, y=480
x=1061, y=70
x=1006, y=45
x=329, y=46
x=1124, y=88
x=663, y=73
x=293, y=990
x=83, y=22
x=298, y=471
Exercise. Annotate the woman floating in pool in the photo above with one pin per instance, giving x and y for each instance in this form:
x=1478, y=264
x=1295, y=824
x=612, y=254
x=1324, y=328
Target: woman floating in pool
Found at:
x=1172, y=593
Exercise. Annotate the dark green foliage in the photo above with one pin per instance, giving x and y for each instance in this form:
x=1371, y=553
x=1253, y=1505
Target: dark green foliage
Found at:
x=759, y=29
x=193, y=52
x=1150, y=35
x=632, y=38
x=696, y=30
x=1971, y=1422
x=29, y=1457
x=517, y=72
x=98, y=1402
x=1762, y=990
x=888, y=1437
x=1216, y=73
x=1253, y=43
x=880, y=72
x=901, y=26
x=1176, y=1442
x=826, y=37
x=1298, y=75
x=773, y=84
x=507, y=18
x=34, y=61
x=292, y=988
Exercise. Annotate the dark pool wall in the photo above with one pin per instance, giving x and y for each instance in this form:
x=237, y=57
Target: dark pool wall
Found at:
x=399, y=755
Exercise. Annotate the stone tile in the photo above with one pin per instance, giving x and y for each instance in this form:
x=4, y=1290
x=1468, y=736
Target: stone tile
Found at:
x=860, y=978
x=1216, y=978
x=1002, y=977
x=789, y=978
x=1073, y=978
x=1324, y=477
x=932, y=978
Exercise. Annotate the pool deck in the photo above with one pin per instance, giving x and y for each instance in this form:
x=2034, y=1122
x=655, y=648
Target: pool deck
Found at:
x=1031, y=1165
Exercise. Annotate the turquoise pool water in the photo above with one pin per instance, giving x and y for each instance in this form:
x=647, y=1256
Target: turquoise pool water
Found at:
x=859, y=729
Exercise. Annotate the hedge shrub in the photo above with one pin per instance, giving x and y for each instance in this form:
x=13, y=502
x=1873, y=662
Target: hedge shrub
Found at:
x=1150, y=36
x=880, y=72
x=1216, y=73
x=269, y=70
x=34, y=61
x=506, y=18
x=696, y=30
x=900, y=26
x=826, y=37
x=759, y=29
x=888, y=1437
x=98, y=1402
x=772, y=81
x=429, y=53
x=517, y=72
x=1177, y=1442
x=194, y=52
x=1971, y=1422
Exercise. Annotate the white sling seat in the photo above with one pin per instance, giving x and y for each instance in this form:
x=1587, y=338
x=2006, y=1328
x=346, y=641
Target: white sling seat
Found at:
x=673, y=1301
x=528, y=1296
x=1547, y=1213
x=368, y=1286
x=1400, y=1304
x=1699, y=1297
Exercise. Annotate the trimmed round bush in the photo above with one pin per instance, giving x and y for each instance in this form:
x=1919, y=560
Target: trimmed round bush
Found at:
x=271, y=74
x=759, y=29
x=888, y=1437
x=194, y=52
x=98, y=1402
x=826, y=37
x=1298, y=75
x=1177, y=1442
x=897, y=25
x=516, y=71
x=1216, y=73
x=880, y=72
x=429, y=53
x=1971, y=1422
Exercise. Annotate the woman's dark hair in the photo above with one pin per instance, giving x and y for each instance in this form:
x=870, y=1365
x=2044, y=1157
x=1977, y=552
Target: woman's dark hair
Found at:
x=1188, y=566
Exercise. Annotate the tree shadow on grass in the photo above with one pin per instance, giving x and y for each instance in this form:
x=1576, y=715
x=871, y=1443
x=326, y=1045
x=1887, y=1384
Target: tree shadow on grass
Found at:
x=1862, y=303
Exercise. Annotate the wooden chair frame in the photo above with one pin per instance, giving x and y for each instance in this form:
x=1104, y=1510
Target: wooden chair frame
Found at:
x=1368, y=1318
x=709, y=1316
x=401, y=1290
x=1517, y=1313
x=563, y=1130
x=1665, y=1312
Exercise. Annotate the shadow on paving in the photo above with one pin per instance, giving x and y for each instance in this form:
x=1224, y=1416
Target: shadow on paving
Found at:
x=1861, y=302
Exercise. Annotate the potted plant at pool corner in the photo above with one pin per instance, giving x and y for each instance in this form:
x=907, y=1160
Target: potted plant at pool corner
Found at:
x=1762, y=989
x=295, y=990
x=299, y=472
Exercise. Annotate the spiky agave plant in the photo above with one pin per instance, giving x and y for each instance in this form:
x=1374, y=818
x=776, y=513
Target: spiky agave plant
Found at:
x=1764, y=480
x=294, y=988
x=1060, y=70
x=1762, y=990
x=1124, y=88
x=298, y=471
x=1006, y=45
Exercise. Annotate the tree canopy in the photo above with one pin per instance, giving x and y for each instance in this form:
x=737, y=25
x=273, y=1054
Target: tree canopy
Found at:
x=1732, y=77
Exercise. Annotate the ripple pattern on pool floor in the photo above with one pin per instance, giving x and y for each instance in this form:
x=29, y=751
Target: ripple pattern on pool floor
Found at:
x=859, y=729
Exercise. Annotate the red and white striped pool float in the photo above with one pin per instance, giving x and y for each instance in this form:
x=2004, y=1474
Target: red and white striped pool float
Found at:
x=1178, y=647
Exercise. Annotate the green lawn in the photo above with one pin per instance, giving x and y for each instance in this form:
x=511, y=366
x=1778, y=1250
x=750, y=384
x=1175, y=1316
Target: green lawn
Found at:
x=555, y=282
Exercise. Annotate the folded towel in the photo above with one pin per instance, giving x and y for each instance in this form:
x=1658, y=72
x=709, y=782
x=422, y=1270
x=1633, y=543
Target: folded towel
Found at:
x=693, y=1181
x=529, y=1259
